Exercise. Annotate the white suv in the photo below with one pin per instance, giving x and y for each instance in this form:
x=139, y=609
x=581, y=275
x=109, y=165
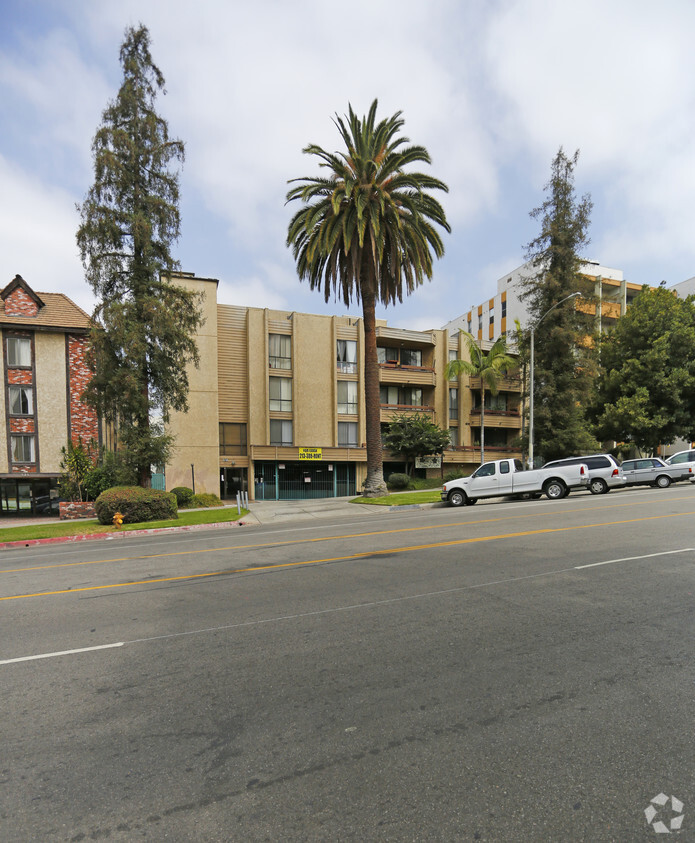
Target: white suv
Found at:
x=604, y=471
x=682, y=457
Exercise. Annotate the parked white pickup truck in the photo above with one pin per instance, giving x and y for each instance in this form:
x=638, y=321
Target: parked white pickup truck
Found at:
x=507, y=477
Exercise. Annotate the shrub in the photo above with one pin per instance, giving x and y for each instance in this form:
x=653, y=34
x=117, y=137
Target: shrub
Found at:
x=452, y=475
x=111, y=471
x=204, y=499
x=135, y=505
x=398, y=481
x=183, y=494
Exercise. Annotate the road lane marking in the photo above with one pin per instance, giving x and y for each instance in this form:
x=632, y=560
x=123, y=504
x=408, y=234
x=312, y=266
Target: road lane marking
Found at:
x=288, y=543
x=62, y=653
x=633, y=558
x=328, y=560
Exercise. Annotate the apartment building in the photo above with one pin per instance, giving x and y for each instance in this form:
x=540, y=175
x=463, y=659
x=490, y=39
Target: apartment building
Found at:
x=277, y=404
x=44, y=339
x=496, y=316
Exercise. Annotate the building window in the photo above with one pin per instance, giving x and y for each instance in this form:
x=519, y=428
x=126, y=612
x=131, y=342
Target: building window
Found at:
x=22, y=448
x=347, y=434
x=453, y=403
x=18, y=351
x=480, y=322
x=504, y=309
x=280, y=432
x=280, y=393
x=232, y=439
x=402, y=356
x=494, y=403
x=279, y=351
x=492, y=315
x=347, y=356
x=400, y=396
x=21, y=401
x=347, y=397
x=453, y=437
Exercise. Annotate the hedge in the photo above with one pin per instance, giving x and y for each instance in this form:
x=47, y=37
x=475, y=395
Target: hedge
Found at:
x=135, y=505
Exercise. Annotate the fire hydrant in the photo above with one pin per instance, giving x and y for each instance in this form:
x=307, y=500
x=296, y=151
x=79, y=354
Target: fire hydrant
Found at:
x=117, y=520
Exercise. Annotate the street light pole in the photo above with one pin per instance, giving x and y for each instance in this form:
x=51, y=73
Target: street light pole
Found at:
x=531, y=383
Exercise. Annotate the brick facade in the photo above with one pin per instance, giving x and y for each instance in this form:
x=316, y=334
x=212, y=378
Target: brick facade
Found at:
x=20, y=303
x=84, y=423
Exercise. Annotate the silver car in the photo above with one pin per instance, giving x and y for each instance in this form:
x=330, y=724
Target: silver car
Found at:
x=651, y=471
x=682, y=458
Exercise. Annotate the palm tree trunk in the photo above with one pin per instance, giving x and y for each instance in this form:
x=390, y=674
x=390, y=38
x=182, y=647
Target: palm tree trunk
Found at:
x=374, y=485
x=482, y=421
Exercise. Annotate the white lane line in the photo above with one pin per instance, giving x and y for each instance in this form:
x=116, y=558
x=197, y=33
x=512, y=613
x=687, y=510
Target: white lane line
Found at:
x=633, y=558
x=62, y=653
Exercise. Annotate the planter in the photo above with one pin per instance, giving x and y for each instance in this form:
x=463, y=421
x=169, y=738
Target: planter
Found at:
x=70, y=510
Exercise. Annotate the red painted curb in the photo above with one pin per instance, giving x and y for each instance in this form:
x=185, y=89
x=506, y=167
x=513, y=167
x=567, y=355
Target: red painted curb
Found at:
x=93, y=536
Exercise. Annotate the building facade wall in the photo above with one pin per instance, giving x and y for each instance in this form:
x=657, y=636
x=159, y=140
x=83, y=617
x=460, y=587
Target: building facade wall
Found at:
x=196, y=450
x=52, y=389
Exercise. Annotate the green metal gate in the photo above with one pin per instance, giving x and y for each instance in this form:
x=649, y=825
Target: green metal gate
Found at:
x=303, y=480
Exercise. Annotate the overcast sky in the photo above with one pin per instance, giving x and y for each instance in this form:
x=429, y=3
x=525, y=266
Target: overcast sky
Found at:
x=492, y=88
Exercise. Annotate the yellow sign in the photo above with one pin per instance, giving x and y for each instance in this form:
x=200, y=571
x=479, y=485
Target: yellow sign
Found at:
x=310, y=454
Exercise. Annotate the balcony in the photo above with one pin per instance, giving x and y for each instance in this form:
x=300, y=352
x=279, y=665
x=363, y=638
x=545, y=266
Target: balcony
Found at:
x=404, y=337
x=397, y=373
x=389, y=411
x=507, y=384
x=497, y=418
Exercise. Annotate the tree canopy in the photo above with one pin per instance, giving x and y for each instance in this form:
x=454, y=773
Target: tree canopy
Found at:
x=144, y=325
x=565, y=361
x=414, y=435
x=646, y=392
x=365, y=233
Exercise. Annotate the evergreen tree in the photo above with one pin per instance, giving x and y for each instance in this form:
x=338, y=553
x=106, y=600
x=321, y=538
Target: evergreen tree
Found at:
x=365, y=232
x=646, y=393
x=144, y=325
x=565, y=361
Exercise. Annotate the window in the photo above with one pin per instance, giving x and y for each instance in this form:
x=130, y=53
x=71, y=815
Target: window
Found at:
x=280, y=432
x=347, y=434
x=453, y=403
x=453, y=437
x=347, y=397
x=18, y=351
x=492, y=315
x=22, y=448
x=494, y=403
x=280, y=393
x=232, y=439
x=401, y=396
x=411, y=357
x=480, y=322
x=504, y=309
x=453, y=355
x=279, y=351
x=21, y=401
x=387, y=355
x=347, y=356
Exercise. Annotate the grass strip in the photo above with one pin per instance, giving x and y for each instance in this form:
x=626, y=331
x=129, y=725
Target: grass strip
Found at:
x=402, y=498
x=88, y=526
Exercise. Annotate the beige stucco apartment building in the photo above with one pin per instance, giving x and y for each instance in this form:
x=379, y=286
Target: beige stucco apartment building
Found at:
x=276, y=407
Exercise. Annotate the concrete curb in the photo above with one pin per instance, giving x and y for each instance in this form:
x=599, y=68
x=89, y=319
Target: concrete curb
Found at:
x=189, y=528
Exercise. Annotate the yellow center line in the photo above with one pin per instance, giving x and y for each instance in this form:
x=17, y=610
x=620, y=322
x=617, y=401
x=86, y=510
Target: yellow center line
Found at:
x=290, y=542
x=361, y=555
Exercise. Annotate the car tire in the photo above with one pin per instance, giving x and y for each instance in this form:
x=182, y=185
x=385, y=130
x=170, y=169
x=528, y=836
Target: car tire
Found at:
x=471, y=501
x=598, y=486
x=555, y=490
x=663, y=481
x=457, y=498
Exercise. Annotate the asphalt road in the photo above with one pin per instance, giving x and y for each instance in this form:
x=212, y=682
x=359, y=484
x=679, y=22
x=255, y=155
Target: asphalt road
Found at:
x=504, y=672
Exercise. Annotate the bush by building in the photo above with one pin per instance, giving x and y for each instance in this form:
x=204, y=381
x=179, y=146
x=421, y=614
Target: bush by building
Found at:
x=135, y=505
x=183, y=494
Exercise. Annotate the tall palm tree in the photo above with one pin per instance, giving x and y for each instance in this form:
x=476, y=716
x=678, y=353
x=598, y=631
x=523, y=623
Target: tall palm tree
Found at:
x=488, y=367
x=365, y=232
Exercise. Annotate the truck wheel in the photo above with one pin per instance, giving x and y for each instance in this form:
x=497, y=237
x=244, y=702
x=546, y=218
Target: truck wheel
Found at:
x=554, y=490
x=471, y=501
x=457, y=498
x=598, y=486
x=663, y=481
